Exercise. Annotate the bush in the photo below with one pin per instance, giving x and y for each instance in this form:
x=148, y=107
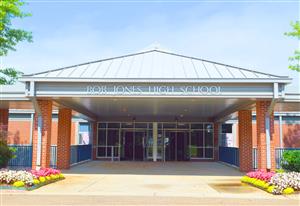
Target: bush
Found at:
x=6, y=153
x=291, y=160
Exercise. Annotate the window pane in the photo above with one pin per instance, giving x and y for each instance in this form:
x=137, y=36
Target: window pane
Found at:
x=197, y=126
x=183, y=125
x=83, y=127
x=102, y=137
x=226, y=128
x=208, y=126
x=141, y=125
x=84, y=138
x=196, y=152
x=127, y=125
x=197, y=138
x=102, y=125
x=209, y=152
x=112, y=137
x=113, y=125
x=169, y=125
x=101, y=151
x=208, y=138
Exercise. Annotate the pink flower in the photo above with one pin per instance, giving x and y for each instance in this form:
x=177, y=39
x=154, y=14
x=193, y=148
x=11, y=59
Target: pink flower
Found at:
x=43, y=172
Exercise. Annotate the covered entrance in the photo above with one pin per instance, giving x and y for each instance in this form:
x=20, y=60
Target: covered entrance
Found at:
x=154, y=105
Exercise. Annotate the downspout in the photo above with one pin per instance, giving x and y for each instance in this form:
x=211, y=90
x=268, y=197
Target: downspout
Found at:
x=268, y=125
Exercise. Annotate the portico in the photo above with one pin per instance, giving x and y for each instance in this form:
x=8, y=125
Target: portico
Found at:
x=155, y=106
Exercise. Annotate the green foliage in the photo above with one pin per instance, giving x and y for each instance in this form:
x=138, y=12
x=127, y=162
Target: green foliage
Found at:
x=291, y=160
x=6, y=153
x=10, y=76
x=10, y=36
x=295, y=60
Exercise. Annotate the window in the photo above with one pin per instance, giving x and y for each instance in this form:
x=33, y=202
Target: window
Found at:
x=226, y=128
x=84, y=133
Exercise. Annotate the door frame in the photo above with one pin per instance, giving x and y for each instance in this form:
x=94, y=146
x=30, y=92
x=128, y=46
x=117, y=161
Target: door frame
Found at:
x=133, y=130
x=175, y=130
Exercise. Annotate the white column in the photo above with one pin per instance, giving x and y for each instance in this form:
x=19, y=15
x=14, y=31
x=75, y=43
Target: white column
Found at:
x=154, y=141
x=280, y=131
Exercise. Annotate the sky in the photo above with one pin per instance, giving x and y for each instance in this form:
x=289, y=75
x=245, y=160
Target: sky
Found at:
x=245, y=34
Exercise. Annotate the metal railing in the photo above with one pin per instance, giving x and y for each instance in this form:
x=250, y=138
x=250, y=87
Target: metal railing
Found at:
x=23, y=154
x=23, y=157
x=229, y=155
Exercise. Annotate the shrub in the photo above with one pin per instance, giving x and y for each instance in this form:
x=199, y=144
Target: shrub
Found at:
x=291, y=160
x=19, y=184
x=6, y=153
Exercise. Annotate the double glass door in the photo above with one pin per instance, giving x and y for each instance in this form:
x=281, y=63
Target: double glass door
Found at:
x=133, y=145
x=176, y=145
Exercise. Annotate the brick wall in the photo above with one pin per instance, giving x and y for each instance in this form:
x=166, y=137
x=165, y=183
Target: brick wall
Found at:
x=63, y=138
x=261, y=113
x=3, y=123
x=46, y=112
x=245, y=140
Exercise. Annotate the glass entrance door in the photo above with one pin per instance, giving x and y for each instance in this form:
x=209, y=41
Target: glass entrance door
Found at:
x=127, y=145
x=139, y=145
x=133, y=145
x=176, y=145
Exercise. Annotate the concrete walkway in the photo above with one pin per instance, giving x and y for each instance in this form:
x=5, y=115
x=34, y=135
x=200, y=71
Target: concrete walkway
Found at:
x=138, y=183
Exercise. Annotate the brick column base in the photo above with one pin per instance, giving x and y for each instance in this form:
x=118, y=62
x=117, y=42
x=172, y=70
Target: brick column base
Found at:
x=46, y=115
x=245, y=140
x=64, y=138
x=261, y=114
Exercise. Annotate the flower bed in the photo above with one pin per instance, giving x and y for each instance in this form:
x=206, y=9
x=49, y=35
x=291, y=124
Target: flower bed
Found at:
x=28, y=180
x=275, y=183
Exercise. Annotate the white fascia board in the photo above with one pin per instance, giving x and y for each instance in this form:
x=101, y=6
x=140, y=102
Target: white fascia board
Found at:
x=153, y=80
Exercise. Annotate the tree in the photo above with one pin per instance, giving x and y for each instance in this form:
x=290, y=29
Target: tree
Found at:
x=295, y=60
x=10, y=37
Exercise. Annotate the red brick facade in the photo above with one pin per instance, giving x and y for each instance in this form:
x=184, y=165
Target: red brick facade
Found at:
x=63, y=138
x=261, y=114
x=46, y=114
x=3, y=123
x=245, y=140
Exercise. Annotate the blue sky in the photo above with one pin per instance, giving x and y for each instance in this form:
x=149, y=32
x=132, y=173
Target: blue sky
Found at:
x=248, y=35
